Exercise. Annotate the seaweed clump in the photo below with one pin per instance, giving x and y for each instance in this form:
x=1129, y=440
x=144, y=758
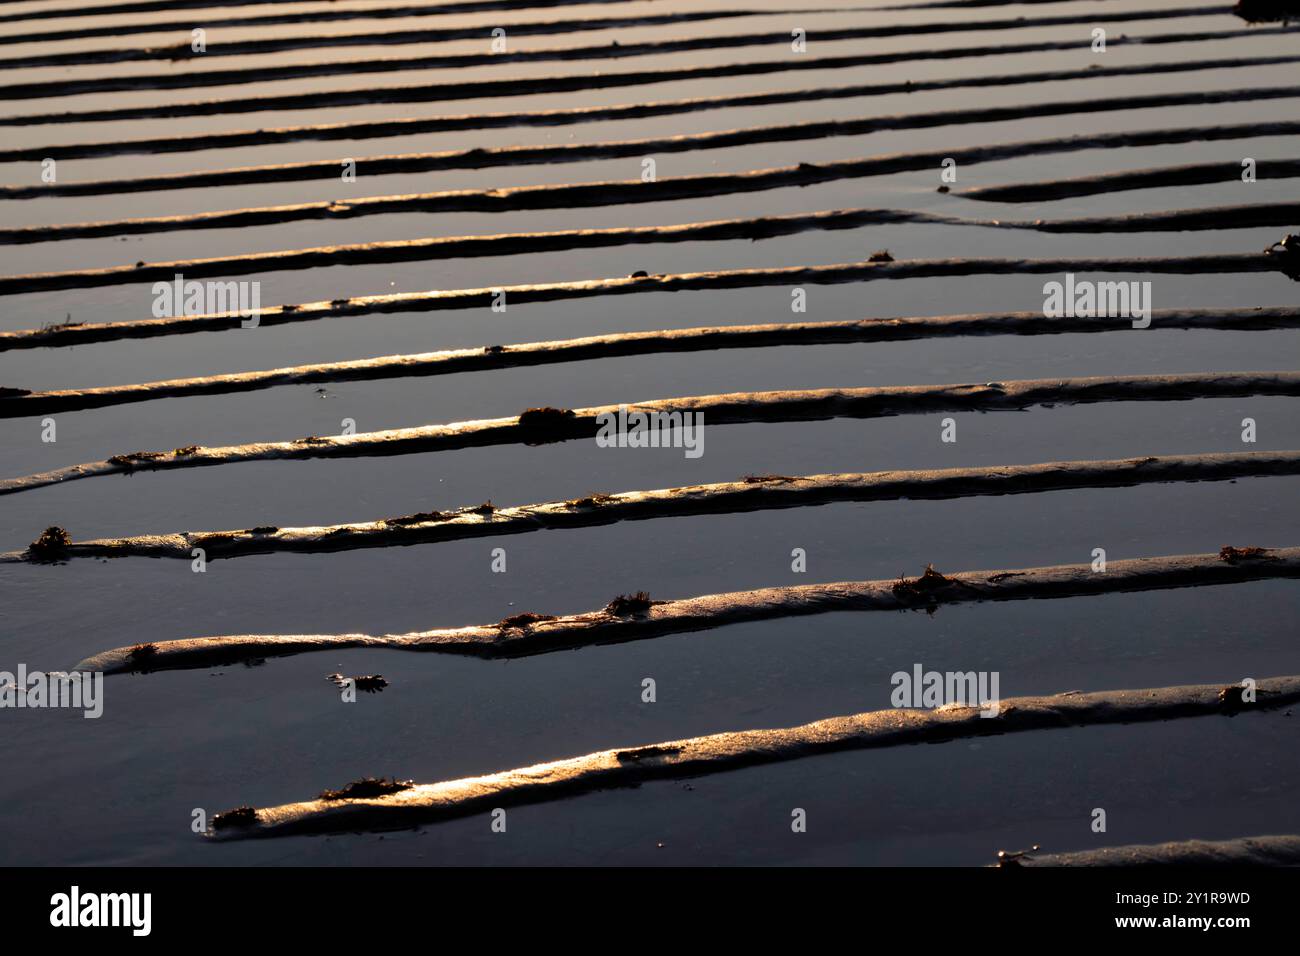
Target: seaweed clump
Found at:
x=1013, y=858
x=880, y=255
x=420, y=517
x=641, y=753
x=1287, y=250
x=523, y=621
x=52, y=545
x=545, y=417
x=1232, y=555
x=626, y=604
x=367, y=787
x=546, y=424
x=238, y=817
x=1266, y=11
x=590, y=501
x=130, y=461
x=925, y=585
x=1232, y=698
x=141, y=655
x=370, y=683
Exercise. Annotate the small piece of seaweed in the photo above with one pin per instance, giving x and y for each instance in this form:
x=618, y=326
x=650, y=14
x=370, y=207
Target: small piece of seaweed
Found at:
x=1232, y=698
x=1288, y=250
x=1013, y=858
x=370, y=683
x=545, y=417
x=129, y=461
x=1264, y=11
x=880, y=255
x=523, y=621
x=238, y=817
x=1233, y=555
x=590, y=501
x=626, y=604
x=420, y=517
x=641, y=753
x=928, y=582
x=367, y=787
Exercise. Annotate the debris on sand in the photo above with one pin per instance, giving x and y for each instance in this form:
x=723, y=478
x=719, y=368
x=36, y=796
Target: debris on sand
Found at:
x=880, y=255
x=1265, y=11
x=773, y=479
x=545, y=417
x=367, y=787
x=551, y=424
x=238, y=817
x=626, y=604
x=1288, y=250
x=487, y=509
x=51, y=545
x=142, y=652
x=1005, y=576
x=591, y=501
x=130, y=461
x=1233, y=698
x=926, y=584
x=523, y=621
x=370, y=683
x=642, y=753
x=1233, y=555
x=420, y=517
x=1014, y=857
